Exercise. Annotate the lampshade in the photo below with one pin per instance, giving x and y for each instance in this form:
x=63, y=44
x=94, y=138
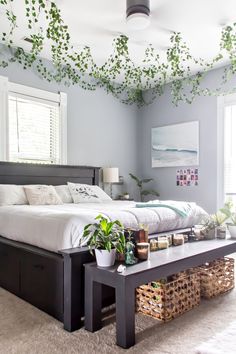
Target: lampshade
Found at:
x=110, y=175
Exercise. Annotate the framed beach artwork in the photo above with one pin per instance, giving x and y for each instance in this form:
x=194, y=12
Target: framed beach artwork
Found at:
x=176, y=145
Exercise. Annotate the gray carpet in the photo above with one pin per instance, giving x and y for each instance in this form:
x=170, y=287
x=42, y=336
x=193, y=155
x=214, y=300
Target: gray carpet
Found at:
x=24, y=329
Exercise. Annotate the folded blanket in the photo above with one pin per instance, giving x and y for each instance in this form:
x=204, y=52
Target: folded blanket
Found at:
x=181, y=208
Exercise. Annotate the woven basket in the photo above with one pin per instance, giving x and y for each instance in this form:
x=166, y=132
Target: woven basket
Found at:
x=169, y=300
x=216, y=277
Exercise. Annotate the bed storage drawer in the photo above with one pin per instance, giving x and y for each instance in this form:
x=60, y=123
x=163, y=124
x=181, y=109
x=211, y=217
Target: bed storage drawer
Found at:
x=9, y=268
x=42, y=283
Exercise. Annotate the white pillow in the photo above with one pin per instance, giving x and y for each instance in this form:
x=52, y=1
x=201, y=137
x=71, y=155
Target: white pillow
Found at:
x=42, y=195
x=84, y=193
x=64, y=193
x=11, y=194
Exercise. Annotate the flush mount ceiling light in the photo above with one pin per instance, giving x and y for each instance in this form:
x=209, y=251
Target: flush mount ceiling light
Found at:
x=137, y=14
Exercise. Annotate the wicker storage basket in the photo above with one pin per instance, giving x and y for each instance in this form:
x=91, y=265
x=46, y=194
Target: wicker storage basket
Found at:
x=167, y=301
x=216, y=277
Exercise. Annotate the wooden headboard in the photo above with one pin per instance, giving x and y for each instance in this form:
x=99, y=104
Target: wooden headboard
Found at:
x=24, y=173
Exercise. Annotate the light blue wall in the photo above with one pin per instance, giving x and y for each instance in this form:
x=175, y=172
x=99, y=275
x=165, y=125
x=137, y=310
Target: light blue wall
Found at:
x=163, y=112
x=101, y=130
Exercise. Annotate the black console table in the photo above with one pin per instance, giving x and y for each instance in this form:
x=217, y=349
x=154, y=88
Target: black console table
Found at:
x=161, y=264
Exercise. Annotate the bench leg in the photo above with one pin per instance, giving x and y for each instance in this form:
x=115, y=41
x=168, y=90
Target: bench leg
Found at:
x=125, y=316
x=93, y=303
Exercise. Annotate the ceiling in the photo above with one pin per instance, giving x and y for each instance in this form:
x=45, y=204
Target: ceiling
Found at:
x=96, y=22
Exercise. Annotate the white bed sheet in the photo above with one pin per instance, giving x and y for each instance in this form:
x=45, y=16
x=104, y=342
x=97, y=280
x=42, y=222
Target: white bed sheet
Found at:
x=60, y=227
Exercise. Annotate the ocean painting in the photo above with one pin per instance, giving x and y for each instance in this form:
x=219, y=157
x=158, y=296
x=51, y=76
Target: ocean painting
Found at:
x=176, y=145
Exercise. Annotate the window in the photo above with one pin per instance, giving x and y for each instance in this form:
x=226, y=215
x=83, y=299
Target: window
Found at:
x=227, y=149
x=230, y=152
x=35, y=125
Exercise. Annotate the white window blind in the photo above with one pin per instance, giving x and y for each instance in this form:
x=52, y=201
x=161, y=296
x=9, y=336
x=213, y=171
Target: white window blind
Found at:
x=33, y=124
x=230, y=152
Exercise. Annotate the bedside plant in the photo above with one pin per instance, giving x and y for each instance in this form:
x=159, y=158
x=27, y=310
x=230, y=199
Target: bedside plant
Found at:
x=107, y=238
x=214, y=226
x=140, y=183
x=230, y=214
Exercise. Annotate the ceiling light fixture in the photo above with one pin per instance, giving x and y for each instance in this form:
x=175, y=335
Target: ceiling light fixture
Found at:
x=137, y=14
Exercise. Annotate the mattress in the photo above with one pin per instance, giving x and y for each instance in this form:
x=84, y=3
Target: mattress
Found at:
x=59, y=227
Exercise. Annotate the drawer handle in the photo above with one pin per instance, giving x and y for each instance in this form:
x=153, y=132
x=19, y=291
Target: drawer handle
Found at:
x=39, y=266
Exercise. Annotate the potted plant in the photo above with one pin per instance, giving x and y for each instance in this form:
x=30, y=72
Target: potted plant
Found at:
x=140, y=183
x=126, y=195
x=214, y=226
x=107, y=238
x=229, y=211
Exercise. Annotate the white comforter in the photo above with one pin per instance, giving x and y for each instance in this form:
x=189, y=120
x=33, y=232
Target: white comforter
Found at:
x=60, y=227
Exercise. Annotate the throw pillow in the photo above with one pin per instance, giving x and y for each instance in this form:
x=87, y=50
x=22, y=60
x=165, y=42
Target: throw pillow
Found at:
x=84, y=193
x=11, y=194
x=64, y=193
x=42, y=195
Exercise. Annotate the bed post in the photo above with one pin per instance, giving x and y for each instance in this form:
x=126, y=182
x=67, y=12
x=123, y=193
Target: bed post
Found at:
x=74, y=286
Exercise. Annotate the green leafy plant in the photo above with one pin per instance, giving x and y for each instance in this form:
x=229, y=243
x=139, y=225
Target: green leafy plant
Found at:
x=229, y=211
x=220, y=217
x=119, y=75
x=213, y=221
x=140, y=183
x=105, y=235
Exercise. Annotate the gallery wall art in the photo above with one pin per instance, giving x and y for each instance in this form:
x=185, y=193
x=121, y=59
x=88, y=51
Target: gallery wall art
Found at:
x=187, y=177
x=176, y=145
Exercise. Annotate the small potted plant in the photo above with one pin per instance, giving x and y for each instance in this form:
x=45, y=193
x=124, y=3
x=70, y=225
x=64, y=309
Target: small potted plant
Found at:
x=214, y=226
x=140, y=183
x=230, y=214
x=106, y=238
x=126, y=195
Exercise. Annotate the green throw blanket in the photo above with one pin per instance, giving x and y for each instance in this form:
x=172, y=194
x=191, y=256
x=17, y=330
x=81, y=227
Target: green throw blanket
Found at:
x=181, y=208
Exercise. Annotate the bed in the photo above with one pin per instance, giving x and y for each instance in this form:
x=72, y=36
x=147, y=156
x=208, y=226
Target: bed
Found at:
x=40, y=261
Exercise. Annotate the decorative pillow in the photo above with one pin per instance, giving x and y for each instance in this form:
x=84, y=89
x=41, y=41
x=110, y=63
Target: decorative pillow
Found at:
x=84, y=193
x=42, y=195
x=64, y=193
x=11, y=194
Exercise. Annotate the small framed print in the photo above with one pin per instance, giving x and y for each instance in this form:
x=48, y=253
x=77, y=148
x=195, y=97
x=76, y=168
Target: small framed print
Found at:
x=187, y=177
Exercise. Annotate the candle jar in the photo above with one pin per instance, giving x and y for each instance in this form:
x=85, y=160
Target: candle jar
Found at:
x=163, y=243
x=169, y=237
x=142, y=250
x=153, y=245
x=178, y=239
x=144, y=228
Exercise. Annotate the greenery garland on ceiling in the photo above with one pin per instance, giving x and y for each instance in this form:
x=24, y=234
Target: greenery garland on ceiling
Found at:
x=118, y=75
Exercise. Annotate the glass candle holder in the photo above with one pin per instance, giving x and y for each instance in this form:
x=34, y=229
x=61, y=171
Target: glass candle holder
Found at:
x=178, y=239
x=144, y=228
x=163, y=242
x=153, y=245
x=142, y=251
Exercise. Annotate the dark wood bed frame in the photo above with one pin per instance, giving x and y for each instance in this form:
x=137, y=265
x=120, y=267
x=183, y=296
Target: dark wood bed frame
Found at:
x=50, y=281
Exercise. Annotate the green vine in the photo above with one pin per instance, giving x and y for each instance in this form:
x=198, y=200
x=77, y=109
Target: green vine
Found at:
x=119, y=75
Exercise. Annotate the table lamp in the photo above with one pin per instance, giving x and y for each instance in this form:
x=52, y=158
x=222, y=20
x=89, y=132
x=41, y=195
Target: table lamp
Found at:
x=110, y=175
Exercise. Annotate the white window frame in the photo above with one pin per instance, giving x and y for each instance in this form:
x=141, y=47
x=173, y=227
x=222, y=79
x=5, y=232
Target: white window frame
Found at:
x=222, y=102
x=6, y=88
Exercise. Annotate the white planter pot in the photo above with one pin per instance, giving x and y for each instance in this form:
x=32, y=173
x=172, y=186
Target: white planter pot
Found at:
x=232, y=231
x=105, y=258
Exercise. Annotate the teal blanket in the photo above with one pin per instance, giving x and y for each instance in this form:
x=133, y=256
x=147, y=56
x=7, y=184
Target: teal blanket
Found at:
x=181, y=208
